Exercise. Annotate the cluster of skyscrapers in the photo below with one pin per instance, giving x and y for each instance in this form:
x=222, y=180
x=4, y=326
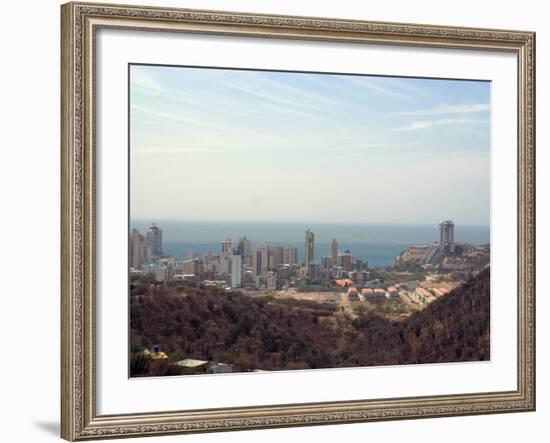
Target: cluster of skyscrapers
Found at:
x=241, y=264
x=143, y=249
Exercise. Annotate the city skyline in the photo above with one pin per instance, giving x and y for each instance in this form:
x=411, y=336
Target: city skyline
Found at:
x=358, y=149
x=265, y=258
x=239, y=262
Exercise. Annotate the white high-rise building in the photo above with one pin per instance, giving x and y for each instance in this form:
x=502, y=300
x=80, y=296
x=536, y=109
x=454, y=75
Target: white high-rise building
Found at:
x=236, y=271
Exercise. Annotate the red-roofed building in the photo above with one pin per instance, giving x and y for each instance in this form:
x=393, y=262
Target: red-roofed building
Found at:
x=344, y=282
x=392, y=293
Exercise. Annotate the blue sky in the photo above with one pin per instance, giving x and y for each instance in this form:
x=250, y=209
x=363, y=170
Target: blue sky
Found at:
x=213, y=144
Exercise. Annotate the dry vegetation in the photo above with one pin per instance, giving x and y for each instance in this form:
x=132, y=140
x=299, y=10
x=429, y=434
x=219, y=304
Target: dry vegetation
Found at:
x=274, y=334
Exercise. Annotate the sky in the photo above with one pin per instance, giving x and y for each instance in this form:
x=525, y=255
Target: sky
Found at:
x=217, y=144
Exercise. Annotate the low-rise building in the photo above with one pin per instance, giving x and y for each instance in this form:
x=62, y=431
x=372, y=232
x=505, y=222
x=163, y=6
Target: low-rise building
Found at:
x=214, y=283
x=366, y=293
x=374, y=295
x=353, y=295
x=361, y=277
x=392, y=293
x=380, y=294
x=156, y=354
x=424, y=296
x=437, y=292
x=190, y=363
x=190, y=266
x=165, y=268
x=184, y=277
x=343, y=282
x=220, y=368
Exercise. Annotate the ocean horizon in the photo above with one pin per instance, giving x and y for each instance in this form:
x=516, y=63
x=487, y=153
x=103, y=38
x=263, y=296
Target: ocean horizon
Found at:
x=378, y=244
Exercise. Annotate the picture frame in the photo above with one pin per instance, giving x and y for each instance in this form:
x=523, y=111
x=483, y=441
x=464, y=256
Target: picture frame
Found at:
x=80, y=176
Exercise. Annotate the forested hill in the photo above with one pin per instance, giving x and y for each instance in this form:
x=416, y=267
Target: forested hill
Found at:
x=254, y=333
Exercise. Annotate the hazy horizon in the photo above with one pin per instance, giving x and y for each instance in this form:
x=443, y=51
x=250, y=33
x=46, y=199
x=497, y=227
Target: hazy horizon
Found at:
x=212, y=144
x=142, y=220
x=293, y=231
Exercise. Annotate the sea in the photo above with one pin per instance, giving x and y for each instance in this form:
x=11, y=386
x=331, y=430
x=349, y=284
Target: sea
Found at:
x=377, y=244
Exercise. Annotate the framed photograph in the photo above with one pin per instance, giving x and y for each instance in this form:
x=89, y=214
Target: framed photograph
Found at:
x=277, y=221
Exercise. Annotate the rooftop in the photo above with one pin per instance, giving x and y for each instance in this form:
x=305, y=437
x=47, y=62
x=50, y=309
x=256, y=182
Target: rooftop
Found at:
x=190, y=363
x=343, y=282
x=424, y=292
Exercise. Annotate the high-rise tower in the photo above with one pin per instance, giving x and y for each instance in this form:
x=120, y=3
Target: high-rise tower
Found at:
x=309, y=248
x=244, y=249
x=153, y=241
x=446, y=232
x=334, y=252
x=136, y=250
x=346, y=260
x=236, y=271
x=226, y=251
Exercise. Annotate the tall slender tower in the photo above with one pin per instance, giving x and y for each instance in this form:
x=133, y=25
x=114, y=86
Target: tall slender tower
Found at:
x=346, y=260
x=226, y=251
x=334, y=252
x=309, y=248
x=153, y=241
x=236, y=271
x=244, y=249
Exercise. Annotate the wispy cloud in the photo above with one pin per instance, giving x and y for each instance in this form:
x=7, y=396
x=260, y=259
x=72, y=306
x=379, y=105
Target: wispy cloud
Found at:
x=443, y=109
x=237, y=133
x=280, y=98
x=179, y=116
x=372, y=84
x=425, y=124
x=411, y=85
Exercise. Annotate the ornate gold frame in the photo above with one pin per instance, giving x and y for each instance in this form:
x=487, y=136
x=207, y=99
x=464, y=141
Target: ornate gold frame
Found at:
x=79, y=420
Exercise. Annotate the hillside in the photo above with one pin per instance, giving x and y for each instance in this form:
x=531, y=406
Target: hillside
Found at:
x=268, y=334
x=465, y=258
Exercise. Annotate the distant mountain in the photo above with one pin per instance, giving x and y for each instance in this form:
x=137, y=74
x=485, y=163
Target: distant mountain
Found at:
x=262, y=333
